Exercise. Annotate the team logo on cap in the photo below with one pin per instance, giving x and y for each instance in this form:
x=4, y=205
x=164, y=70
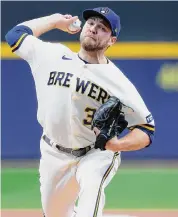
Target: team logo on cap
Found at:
x=104, y=10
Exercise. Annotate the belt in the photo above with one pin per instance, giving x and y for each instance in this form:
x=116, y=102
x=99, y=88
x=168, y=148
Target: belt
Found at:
x=76, y=152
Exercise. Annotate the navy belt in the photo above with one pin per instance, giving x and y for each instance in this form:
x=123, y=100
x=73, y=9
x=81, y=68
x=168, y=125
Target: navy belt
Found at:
x=76, y=152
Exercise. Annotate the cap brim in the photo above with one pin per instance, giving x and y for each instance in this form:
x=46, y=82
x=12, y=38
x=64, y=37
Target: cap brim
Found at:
x=91, y=13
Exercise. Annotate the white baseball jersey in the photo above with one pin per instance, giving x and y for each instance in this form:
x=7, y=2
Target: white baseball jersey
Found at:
x=69, y=92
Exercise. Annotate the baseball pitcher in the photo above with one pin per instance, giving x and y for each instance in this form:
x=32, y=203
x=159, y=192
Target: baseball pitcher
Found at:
x=84, y=103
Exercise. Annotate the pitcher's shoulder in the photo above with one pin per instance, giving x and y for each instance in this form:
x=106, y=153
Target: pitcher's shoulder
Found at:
x=114, y=67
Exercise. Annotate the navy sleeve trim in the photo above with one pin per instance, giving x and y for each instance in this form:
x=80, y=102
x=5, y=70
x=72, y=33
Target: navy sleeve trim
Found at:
x=16, y=36
x=18, y=44
x=144, y=126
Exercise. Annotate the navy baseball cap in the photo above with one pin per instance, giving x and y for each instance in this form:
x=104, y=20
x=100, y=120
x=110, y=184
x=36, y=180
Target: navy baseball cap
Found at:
x=108, y=15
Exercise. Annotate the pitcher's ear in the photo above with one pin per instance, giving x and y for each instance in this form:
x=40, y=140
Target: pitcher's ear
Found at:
x=112, y=41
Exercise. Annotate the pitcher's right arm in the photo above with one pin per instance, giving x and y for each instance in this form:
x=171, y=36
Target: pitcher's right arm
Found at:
x=23, y=38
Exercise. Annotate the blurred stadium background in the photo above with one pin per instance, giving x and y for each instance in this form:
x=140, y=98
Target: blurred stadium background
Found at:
x=147, y=52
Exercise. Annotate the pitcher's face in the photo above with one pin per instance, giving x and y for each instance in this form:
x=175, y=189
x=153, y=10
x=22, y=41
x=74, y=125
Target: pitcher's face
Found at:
x=96, y=35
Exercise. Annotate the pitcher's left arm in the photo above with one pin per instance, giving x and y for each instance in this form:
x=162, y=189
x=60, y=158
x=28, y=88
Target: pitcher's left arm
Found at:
x=138, y=138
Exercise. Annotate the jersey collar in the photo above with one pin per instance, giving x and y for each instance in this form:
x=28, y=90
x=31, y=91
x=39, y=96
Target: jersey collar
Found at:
x=88, y=62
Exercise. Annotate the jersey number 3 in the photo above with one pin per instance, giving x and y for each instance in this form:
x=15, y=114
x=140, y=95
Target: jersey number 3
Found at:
x=89, y=115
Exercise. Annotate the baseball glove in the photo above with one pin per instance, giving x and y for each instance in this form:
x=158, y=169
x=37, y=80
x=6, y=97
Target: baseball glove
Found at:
x=109, y=120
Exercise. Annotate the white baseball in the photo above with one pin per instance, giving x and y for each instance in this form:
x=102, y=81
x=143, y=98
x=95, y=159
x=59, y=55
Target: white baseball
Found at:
x=75, y=25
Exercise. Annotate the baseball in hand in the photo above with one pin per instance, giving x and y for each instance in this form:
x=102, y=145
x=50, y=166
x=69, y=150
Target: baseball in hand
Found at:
x=75, y=25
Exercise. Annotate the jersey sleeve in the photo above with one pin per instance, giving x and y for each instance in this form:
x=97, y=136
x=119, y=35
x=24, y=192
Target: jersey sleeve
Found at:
x=25, y=45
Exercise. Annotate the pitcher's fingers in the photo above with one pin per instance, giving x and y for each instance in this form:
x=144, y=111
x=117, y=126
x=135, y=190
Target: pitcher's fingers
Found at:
x=68, y=16
x=74, y=32
x=73, y=19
